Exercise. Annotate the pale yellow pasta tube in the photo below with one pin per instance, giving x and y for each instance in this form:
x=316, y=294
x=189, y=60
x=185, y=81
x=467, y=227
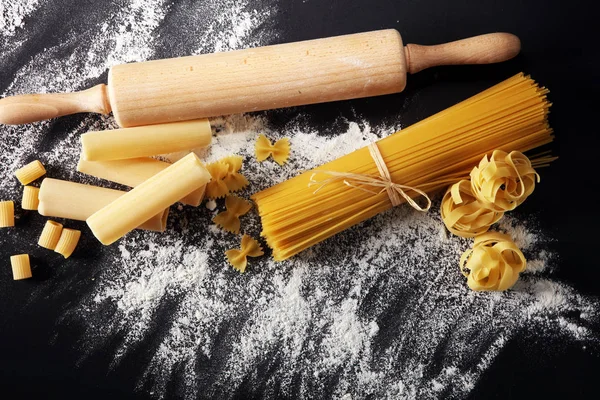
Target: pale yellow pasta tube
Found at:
x=7, y=214
x=30, y=200
x=64, y=199
x=132, y=172
x=67, y=242
x=50, y=235
x=30, y=172
x=21, y=268
x=163, y=189
x=142, y=141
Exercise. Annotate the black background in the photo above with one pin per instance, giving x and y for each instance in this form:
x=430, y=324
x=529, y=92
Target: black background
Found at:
x=559, y=44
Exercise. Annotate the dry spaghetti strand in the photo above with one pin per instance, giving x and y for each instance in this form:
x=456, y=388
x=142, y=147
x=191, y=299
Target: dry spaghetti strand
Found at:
x=430, y=154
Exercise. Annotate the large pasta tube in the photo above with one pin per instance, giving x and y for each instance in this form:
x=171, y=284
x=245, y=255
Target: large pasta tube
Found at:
x=155, y=194
x=132, y=172
x=64, y=199
x=151, y=140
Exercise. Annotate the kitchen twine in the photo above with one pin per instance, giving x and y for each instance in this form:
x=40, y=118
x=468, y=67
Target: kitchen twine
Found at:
x=384, y=181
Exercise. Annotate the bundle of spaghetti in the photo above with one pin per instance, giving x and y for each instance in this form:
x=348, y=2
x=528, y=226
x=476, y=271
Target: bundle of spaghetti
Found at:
x=428, y=155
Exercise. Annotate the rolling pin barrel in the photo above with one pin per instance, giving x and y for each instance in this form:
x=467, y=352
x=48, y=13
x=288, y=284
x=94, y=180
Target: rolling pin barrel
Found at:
x=291, y=74
x=263, y=78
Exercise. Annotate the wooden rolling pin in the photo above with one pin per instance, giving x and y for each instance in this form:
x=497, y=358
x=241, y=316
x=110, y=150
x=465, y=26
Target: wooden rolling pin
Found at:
x=284, y=75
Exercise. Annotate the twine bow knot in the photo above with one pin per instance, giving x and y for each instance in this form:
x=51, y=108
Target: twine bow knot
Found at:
x=395, y=191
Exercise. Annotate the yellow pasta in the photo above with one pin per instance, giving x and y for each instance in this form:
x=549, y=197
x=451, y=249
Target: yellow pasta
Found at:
x=217, y=187
x=67, y=242
x=64, y=199
x=30, y=200
x=234, y=180
x=145, y=200
x=144, y=141
x=21, y=268
x=50, y=235
x=504, y=181
x=280, y=151
x=463, y=214
x=30, y=172
x=7, y=214
x=494, y=262
x=249, y=248
x=229, y=219
x=132, y=172
x=429, y=155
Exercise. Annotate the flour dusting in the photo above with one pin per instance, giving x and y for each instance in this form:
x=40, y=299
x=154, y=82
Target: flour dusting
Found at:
x=378, y=311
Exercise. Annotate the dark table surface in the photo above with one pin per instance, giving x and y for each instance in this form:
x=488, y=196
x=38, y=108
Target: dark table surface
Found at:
x=558, y=50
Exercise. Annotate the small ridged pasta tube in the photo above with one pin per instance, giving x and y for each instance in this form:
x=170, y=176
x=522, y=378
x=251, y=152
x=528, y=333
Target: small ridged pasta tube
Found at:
x=64, y=199
x=67, y=242
x=30, y=200
x=155, y=194
x=30, y=172
x=7, y=214
x=131, y=172
x=143, y=141
x=21, y=268
x=50, y=235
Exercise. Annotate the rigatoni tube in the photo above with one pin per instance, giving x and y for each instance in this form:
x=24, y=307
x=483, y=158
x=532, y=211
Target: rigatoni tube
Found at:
x=141, y=141
x=131, y=172
x=155, y=194
x=64, y=199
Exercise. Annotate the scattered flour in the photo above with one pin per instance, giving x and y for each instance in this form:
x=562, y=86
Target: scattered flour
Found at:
x=380, y=310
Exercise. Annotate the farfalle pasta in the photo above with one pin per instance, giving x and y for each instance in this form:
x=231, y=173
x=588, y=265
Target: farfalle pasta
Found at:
x=280, y=150
x=463, y=214
x=234, y=179
x=229, y=219
x=493, y=264
x=503, y=181
x=216, y=187
x=249, y=248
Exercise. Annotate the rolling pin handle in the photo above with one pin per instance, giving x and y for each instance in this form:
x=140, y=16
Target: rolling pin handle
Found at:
x=27, y=108
x=483, y=49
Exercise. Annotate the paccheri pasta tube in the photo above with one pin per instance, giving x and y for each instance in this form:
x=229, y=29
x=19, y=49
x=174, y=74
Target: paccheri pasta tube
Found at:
x=7, y=214
x=30, y=172
x=30, y=200
x=160, y=191
x=142, y=141
x=50, y=235
x=131, y=172
x=67, y=242
x=64, y=199
x=21, y=268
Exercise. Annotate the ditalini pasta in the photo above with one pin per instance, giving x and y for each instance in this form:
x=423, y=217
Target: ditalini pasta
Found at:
x=21, y=267
x=494, y=262
x=428, y=156
x=144, y=141
x=249, y=248
x=280, y=150
x=150, y=197
x=50, y=235
x=30, y=200
x=7, y=214
x=64, y=199
x=131, y=172
x=30, y=172
x=67, y=242
x=229, y=219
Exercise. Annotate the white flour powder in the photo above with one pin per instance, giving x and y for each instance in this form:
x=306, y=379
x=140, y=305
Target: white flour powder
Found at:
x=379, y=310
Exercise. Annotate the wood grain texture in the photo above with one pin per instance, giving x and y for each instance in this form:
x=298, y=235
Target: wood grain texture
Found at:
x=307, y=72
x=27, y=108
